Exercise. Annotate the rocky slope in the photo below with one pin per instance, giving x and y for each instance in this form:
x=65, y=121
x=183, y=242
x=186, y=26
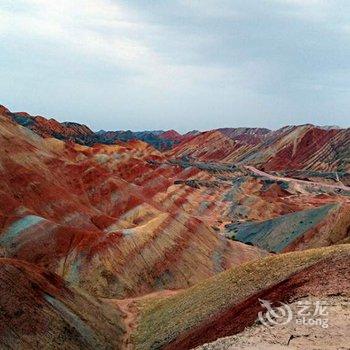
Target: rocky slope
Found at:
x=122, y=245
x=39, y=311
x=304, y=147
x=94, y=216
x=49, y=127
x=251, y=136
x=229, y=302
x=70, y=131
x=295, y=336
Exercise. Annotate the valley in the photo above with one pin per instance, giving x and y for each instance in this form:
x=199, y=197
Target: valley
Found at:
x=157, y=240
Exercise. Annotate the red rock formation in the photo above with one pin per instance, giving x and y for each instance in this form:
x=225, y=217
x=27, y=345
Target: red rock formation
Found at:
x=126, y=220
x=94, y=216
x=38, y=310
x=251, y=136
x=305, y=147
x=48, y=127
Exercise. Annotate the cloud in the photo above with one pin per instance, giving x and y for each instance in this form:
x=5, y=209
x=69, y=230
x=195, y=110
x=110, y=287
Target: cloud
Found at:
x=177, y=64
x=92, y=27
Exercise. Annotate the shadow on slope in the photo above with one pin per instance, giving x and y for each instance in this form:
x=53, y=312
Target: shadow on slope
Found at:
x=39, y=311
x=296, y=231
x=228, y=302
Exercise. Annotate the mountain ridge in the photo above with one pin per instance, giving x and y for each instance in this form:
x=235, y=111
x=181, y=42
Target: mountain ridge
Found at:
x=122, y=245
x=170, y=139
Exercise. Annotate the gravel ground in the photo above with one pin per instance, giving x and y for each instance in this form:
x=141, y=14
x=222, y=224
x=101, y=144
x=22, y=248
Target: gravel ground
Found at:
x=294, y=335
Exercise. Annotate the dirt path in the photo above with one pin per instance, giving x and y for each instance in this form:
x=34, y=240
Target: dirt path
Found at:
x=130, y=310
x=288, y=179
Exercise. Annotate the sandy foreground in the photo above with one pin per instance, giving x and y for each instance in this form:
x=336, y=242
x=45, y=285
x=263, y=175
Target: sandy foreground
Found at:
x=293, y=335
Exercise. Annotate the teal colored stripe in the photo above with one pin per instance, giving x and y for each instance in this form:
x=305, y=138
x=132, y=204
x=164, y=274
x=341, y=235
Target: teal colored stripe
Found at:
x=18, y=227
x=276, y=234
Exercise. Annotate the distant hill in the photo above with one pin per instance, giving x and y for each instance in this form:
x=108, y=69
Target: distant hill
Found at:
x=306, y=147
x=301, y=147
x=156, y=240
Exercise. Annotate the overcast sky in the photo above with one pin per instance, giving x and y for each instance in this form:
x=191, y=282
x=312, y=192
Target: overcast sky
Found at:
x=179, y=64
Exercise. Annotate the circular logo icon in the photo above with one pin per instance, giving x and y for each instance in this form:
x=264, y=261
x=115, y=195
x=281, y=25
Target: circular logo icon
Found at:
x=277, y=315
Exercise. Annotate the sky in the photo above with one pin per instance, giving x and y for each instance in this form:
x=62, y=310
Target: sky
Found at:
x=177, y=64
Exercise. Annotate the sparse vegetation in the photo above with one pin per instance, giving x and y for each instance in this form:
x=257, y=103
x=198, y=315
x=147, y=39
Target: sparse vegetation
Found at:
x=162, y=321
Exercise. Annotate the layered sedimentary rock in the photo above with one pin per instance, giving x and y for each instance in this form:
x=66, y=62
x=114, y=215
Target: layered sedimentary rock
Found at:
x=305, y=147
x=122, y=245
x=39, y=311
x=93, y=216
x=229, y=302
